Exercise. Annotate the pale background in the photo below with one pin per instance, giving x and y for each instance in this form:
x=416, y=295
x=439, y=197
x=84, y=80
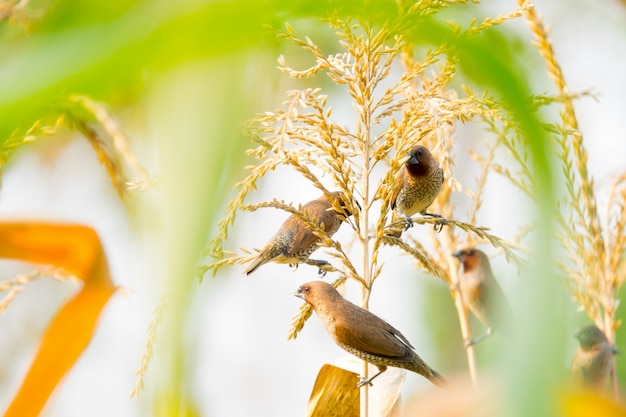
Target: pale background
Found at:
x=242, y=361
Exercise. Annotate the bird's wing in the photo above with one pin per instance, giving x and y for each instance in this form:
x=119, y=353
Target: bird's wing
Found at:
x=397, y=187
x=304, y=235
x=580, y=362
x=474, y=296
x=498, y=311
x=302, y=238
x=373, y=335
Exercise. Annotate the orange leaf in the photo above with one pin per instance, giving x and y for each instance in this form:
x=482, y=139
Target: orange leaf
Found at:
x=78, y=250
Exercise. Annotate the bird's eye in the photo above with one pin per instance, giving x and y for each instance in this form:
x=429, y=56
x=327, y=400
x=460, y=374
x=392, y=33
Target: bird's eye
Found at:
x=306, y=289
x=470, y=252
x=419, y=152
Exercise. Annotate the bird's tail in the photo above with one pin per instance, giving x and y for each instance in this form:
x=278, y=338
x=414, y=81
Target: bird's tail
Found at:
x=256, y=263
x=437, y=379
x=419, y=366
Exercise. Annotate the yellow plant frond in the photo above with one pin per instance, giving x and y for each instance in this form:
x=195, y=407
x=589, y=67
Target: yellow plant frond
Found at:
x=16, y=284
x=148, y=352
x=106, y=136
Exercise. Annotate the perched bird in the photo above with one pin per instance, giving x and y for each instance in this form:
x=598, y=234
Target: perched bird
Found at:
x=482, y=294
x=592, y=360
x=295, y=241
x=363, y=334
x=416, y=187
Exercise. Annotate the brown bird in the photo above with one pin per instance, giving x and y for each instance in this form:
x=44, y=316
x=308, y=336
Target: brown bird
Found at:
x=363, y=334
x=482, y=294
x=416, y=187
x=592, y=360
x=295, y=241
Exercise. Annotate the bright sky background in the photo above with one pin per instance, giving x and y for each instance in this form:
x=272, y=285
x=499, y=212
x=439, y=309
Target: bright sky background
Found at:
x=236, y=315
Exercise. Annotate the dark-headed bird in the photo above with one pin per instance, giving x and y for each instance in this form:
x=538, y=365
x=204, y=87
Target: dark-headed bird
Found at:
x=416, y=187
x=295, y=241
x=592, y=360
x=482, y=294
x=364, y=334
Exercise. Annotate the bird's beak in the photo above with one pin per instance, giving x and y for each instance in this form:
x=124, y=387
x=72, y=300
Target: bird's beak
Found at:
x=299, y=293
x=412, y=160
x=347, y=213
x=577, y=334
x=458, y=254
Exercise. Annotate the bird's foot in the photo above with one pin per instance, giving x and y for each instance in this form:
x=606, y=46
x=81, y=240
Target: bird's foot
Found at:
x=475, y=340
x=323, y=266
x=364, y=381
x=438, y=226
x=409, y=222
x=294, y=266
x=470, y=342
x=368, y=381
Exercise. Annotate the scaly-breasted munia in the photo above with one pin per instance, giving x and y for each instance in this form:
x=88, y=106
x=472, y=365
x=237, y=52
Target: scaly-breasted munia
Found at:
x=416, y=187
x=295, y=241
x=482, y=294
x=364, y=334
x=592, y=360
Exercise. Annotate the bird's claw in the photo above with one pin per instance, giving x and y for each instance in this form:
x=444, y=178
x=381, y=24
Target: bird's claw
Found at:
x=294, y=266
x=364, y=381
x=439, y=225
x=409, y=223
x=475, y=340
x=322, y=266
x=468, y=343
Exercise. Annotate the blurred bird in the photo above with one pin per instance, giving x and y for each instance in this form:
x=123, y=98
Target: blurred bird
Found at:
x=416, y=187
x=592, y=360
x=295, y=241
x=482, y=294
x=363, y=334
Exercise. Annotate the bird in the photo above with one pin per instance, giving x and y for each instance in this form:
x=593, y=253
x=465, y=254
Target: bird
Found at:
x=591, y=363
x=416, y=187
x=363, y=334
x=295, y=240
x=482, y=294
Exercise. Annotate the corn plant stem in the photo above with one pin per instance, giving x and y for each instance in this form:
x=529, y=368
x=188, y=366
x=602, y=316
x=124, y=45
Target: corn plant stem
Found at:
x=365, y=290
x=569, y=118
x=608, y=325
x=610, y=334
x=461, y=309
x=466, y=334
x=367, y=277
x=450, y=241
x=365, y=174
